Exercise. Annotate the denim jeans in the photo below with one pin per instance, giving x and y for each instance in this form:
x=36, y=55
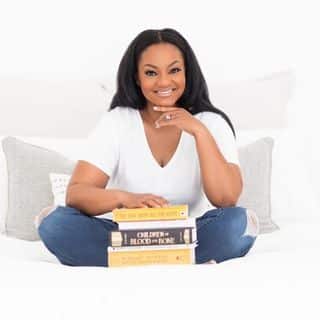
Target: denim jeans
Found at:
x=77, y=239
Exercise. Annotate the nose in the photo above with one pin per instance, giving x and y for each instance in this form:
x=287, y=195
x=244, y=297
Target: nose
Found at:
x=164, y=81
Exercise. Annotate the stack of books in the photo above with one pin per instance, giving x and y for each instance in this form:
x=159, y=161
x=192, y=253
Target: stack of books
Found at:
x=164, y=235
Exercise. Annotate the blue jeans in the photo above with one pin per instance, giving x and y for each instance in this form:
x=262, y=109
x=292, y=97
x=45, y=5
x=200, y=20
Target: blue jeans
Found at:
x=77, y=239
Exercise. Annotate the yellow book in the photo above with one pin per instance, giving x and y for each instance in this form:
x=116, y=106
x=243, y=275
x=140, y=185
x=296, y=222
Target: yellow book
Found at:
x=175, y=212
x=179, y=254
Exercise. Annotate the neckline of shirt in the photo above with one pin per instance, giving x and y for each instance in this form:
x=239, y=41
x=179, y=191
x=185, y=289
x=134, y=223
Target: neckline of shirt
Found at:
x=148, y=150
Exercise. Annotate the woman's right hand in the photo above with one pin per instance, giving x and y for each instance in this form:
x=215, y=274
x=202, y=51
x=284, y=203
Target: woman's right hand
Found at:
x=143, y=200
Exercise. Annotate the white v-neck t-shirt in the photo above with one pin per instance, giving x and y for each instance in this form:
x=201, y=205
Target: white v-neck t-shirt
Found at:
x=118, y=146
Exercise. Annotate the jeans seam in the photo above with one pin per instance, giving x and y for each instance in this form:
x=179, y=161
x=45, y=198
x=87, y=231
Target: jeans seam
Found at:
x=210, y=219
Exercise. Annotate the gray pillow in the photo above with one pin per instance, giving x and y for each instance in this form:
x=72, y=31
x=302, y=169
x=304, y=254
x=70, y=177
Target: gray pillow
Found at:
x=256, y=165
x=29, y=188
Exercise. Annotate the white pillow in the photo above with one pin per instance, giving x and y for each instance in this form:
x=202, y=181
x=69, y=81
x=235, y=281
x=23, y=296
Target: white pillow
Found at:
x=57, y=104
x=59, y=183
x=255, y=103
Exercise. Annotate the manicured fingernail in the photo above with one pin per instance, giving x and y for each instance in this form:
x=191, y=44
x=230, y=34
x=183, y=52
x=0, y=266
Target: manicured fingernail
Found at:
x=155, y=108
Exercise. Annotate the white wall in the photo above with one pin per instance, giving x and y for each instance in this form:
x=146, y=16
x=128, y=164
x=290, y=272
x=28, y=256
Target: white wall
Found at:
x=232, y=39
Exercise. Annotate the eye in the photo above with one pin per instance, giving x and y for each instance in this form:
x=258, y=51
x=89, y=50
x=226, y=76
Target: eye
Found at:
x=150, y=73
x=175, y=70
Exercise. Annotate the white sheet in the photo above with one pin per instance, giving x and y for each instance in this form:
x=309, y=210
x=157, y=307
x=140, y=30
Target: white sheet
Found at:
x=296, y=239
x=276, y=278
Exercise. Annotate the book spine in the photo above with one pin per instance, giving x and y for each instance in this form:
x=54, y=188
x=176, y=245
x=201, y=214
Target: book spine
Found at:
x=145, y=257
x=149, y=214
x=145, y=237
x=134, y=225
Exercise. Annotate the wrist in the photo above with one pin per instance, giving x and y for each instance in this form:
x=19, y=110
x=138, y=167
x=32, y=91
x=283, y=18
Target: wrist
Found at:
x=121, y=198
x=200, y=130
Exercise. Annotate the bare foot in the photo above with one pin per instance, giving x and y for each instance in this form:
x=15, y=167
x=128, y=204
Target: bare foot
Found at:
x=210, y=262
x=43, y=213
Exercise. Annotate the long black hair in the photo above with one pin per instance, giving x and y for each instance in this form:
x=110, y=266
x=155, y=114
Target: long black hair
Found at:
x=195, y=97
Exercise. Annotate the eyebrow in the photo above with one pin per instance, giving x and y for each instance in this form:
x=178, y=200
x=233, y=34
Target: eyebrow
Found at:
x=151, y=65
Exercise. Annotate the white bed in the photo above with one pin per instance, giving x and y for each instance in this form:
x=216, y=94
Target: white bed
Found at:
x=278, y=278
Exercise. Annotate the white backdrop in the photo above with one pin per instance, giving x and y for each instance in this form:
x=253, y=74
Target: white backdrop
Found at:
x=84, y=39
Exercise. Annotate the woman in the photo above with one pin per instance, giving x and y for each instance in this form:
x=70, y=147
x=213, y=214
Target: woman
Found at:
x=163, y=142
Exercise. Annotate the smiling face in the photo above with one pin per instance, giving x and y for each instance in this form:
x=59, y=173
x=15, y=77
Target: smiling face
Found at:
x=161, y=74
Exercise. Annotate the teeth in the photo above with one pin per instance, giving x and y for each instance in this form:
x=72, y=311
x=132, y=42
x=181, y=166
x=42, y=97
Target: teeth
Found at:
x=164, y=93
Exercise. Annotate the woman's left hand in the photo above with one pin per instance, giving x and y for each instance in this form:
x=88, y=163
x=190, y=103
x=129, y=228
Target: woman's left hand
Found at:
x=180, y=118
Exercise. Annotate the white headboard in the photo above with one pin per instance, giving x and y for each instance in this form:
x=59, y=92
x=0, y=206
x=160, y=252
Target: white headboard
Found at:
x=70, y=108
